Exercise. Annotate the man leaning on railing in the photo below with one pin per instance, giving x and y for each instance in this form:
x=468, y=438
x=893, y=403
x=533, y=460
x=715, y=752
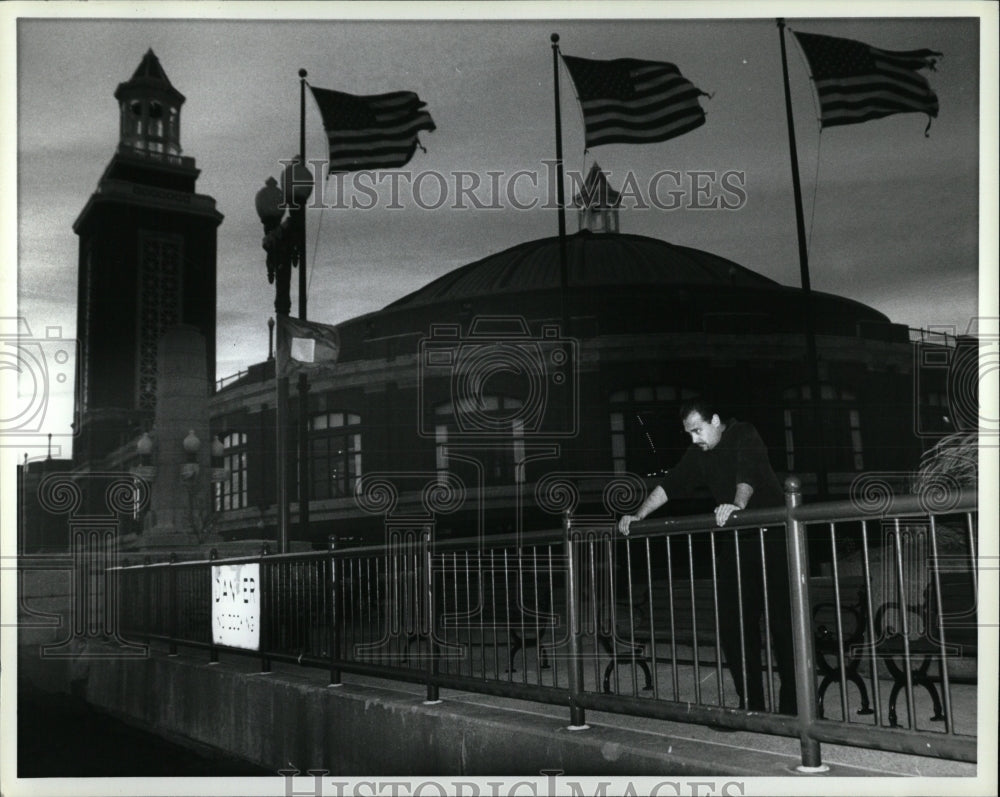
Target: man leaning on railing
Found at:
x=730, y=459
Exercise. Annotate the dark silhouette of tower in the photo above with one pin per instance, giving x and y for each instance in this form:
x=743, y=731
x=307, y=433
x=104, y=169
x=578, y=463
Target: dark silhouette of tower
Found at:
x=147, y=261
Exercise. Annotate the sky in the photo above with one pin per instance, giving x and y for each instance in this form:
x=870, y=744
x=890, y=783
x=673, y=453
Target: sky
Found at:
x=893, y=217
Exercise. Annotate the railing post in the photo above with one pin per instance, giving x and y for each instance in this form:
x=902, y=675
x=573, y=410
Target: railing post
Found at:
x=147, y=582
x=213, y=651
x=433, y=693
x=805, y=665
x=265, y=608
x=332, y=626
x=577, y=717
x=172, y=601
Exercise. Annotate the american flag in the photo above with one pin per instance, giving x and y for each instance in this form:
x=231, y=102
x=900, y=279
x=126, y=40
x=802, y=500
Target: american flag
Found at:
x=857, y=82
x=628, y=101
x=378, y=131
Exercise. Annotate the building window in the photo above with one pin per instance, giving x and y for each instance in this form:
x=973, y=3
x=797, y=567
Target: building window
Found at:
x=232, y=493
x=503, y=456
x=839, y=430
x=646, y=432
x=334, y=454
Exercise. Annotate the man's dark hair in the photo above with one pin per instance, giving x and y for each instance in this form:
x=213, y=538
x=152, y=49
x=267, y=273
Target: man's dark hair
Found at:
x=703, y=406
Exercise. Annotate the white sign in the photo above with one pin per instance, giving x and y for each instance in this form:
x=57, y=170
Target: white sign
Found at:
x=236, y=605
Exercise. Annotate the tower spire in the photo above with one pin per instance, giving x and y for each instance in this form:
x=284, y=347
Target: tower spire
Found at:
x=150, y=109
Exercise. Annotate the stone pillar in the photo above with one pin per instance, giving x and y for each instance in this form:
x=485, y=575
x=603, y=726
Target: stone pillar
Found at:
x=180, y=504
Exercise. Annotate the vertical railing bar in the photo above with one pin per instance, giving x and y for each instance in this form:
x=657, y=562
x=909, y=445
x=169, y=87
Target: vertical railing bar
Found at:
x=577, y=715
x=742, y=620
x=266, y=601
x=841, y=663
x=590, y=553
x=495, y=619
x=694, y=618
x=538, y=626
x=520, y=608
x=631, y=616
x=334, y=604
x=613, y=603
x=904, y=614
x=554, y=615
x=973, y=554
x=652, y=620
x=455, y=610
x=869, y=614
x=507, y=626
x=468, y=607
x=430, y=614
x=213, y=651
x=768, y=658
x=943, y=664
x=481, y=602
x=670, y=604
x=371, y=606
x=719, y=684
x=173, y=604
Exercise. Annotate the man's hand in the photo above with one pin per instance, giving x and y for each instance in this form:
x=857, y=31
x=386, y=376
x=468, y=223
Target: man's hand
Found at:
x=625, y=522
x=723, y=511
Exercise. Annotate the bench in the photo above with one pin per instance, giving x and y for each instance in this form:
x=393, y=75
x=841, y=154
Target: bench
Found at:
x=692, y=623
x=933, y=636
x=637, y=627
x=844, y=643
x=500, y=606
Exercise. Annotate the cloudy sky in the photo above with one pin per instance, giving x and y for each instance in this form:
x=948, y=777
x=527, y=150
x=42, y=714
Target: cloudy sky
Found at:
x=893, y=216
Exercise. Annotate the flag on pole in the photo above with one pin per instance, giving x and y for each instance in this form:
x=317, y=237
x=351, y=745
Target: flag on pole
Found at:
x=378, y=131
x=856, y=82
x=628, y=101
x=303, y=344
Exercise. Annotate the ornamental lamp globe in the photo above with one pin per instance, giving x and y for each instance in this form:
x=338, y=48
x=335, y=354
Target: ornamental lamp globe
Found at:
x=268, y=204
x=298, y=180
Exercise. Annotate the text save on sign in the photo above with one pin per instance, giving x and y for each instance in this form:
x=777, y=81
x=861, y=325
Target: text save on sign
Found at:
x=236, y=605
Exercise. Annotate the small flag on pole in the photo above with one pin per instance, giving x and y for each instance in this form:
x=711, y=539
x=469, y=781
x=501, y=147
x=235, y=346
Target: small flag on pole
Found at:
x=856, y=82
x=371, y=132
x=303, y=344
x=628, y=101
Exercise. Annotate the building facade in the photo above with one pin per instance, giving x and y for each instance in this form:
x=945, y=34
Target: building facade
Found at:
x=498, y=378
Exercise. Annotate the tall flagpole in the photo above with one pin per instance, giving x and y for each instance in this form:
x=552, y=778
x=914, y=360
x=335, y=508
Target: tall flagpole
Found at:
x=561, y=199
x=560, y=192
x=304, y=464
x=812, y=359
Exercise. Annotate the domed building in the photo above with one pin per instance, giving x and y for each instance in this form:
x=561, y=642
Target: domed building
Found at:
x=510, y=370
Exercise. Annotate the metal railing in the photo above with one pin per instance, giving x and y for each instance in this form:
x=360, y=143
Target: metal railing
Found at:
x=671, y=622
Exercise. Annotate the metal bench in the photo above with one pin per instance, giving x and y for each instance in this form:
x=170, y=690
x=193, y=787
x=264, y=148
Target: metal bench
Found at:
x=934, y=634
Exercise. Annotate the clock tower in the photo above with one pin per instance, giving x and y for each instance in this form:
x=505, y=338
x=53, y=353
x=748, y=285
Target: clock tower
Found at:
x=147, y=261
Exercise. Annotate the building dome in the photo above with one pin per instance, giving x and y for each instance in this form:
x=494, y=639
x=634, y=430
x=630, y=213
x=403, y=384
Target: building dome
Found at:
x=593, y=260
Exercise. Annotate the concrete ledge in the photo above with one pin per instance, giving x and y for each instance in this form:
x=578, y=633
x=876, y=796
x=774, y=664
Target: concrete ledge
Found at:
x=283, y=720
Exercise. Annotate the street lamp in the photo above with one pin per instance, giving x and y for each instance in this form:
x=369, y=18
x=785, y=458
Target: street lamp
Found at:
x=285, y=244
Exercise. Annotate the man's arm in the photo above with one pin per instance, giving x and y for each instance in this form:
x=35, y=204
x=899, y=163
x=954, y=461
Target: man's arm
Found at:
x=654, y=501
x=723, y=511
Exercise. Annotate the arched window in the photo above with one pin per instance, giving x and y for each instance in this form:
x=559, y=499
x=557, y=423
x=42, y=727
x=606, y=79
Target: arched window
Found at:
x=840, y=428
x=646, y=432
x=500, y=455
x=232, y=493
x=334, y=454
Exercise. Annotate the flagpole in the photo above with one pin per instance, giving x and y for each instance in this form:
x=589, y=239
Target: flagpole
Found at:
x=812, y=358
x=560, y=191
x=304, y=469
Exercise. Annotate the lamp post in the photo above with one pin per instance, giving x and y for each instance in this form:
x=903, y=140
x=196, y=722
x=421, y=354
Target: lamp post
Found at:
x=284, y=242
